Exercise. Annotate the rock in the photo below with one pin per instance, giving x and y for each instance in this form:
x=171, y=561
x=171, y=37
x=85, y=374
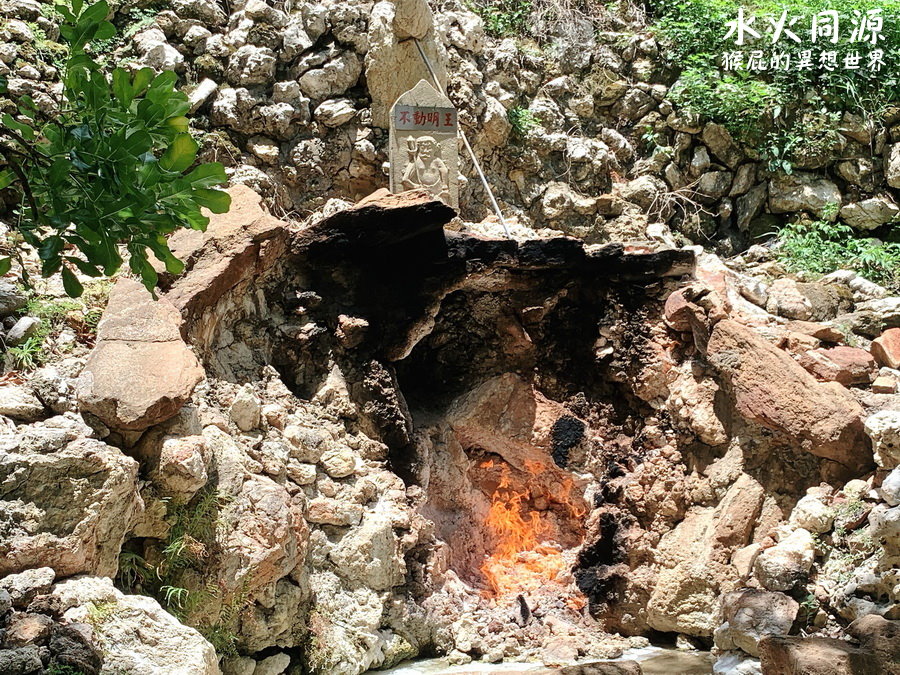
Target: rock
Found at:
x=785, y=299
x=722, y=145
x=821, y=418
x=140, y=372
x=884, y=430
x=892, y=166
x=713, y=185
x=335, y=112
x=26, y=628
x=846, y=365
x=273, y=665
x=736, y=663
x=25, y=586
x=338, y=461
x=22, y=661
x=884, y=384
x=786, y=564
x=369, y=554
x=890, y=488
x=870, y=214
x=885, y=526
x=882, y=637
x=11, y=299
x=24, y=328
x=633, y=105
x=750, y=205
x=20, y=403
x=751, y=614
x=886, y=348
x=155, y=51
x=332, y=79
x=644, y=191
x=804, y=192
x=812, y=514
x=246, y=409
x=70, y=646
x=238, y=665
x=326, y=511
x=78, y=526
x=251, y=65
x=815, y=656
x=264, y=539
x=135, y=634
x=181, y=472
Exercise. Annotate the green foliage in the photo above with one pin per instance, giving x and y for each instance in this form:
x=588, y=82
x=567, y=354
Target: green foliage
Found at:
x=112, y=169
x=522, y=120
x=503, y=18
x=821, y=247
x=173, y=576
x=80, y=315
x=768, y=109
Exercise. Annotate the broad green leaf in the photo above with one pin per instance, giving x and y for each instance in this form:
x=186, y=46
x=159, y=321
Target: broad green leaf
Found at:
x=94, y=14
x=6, y=178
x=5, y=265
x=24, y=130
x=180, y=154
x=50, y=248
x=207, y=175
x=121, y=86
x=179, y=124
x=217, y=201
x=73, y=287
x=138, y=143
x=105, y=31
x=142, y=78
x=86, y=268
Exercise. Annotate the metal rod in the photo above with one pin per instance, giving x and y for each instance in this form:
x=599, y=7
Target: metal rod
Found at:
x=465, y=141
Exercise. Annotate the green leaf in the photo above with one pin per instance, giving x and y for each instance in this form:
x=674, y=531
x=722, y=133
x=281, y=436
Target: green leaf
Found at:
x=94, y=14
x=6, y=178
x=5, y=265
x=207, y=175
x=142, y=78
x=73, y=287
x=24, y=130
x=105, y=31
x=121, y=86
x=179, y=124
x=86, y=268
x=180, y=154
x=217, y=201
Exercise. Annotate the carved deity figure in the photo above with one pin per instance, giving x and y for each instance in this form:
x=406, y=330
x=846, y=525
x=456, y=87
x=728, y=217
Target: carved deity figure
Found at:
x=426, y=169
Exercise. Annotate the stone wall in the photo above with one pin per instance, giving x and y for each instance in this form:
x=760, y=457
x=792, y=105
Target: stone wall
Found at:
x=293, y=99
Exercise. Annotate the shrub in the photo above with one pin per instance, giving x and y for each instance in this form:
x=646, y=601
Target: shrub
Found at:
x=111, y=169
x=522, y=120
x=821, y=247
x=767, y=109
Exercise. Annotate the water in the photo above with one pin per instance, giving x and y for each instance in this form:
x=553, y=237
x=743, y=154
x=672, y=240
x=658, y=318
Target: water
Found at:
x=653, y=660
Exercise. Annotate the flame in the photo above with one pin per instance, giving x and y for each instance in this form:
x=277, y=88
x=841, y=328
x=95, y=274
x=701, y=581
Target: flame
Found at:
x=523, y=561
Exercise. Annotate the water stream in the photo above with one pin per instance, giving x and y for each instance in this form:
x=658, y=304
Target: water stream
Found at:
x=653, y=660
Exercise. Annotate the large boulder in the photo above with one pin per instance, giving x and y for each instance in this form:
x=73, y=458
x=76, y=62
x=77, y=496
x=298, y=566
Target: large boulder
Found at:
x=785, y=565
x=136, y=635
x=804, y=192
x=750, y=614
x=886, y=348
x=140, y=372
x=821, y=418
x=69, y=510
x=815, y=656
x=870, y=214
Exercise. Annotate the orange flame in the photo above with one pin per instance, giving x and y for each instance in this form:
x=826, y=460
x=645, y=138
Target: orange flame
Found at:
x=522, y=561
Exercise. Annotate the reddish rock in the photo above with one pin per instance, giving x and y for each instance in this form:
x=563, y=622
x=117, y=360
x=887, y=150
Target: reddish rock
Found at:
x=140, y=372
x=771, y=389
x=884, y=384
x=820, y=331
x=677, y=312
x=236, y=247
x=846, y=365
x=886, y=348
x=26, y=629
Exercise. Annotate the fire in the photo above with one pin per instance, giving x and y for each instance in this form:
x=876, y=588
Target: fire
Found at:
x=523, y=561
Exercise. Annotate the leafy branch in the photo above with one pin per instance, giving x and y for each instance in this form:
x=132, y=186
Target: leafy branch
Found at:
x=113, y=168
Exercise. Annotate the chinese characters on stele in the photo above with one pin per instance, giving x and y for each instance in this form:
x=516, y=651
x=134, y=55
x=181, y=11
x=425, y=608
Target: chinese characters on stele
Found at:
x=825, y=41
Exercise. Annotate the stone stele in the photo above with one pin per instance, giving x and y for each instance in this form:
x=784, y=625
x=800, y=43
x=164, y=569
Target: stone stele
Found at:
x=423, y=144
